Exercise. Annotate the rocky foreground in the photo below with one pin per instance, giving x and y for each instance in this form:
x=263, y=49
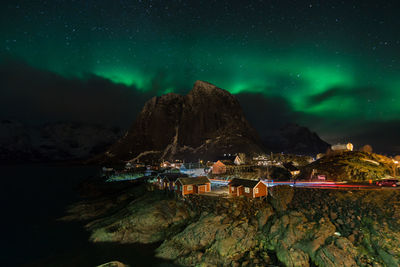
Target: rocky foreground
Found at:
x=291, y=227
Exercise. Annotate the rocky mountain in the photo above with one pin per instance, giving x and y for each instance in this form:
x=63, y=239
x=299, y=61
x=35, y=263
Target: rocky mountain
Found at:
x=203, y=124
x=295, y=139
x=53, y=142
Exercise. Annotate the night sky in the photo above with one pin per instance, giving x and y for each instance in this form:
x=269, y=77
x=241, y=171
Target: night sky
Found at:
x=332, y=66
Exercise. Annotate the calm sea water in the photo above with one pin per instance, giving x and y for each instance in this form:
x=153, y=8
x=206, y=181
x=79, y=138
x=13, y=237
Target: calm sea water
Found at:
x=33, y=197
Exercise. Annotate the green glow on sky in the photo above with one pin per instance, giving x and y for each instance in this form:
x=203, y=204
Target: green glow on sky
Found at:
x=332, y=65
x=124, y=76
x=323, y=78
x=295, y=78
x=295, y=71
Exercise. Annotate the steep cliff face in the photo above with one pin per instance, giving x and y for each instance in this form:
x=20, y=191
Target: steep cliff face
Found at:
x=205, y=123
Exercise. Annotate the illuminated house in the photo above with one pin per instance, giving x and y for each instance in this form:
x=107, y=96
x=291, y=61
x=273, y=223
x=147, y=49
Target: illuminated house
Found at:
x=248, y=188
x=165, y=164
x=238, y=160
x=342, y=147
x=196, y=185
x=222, y=167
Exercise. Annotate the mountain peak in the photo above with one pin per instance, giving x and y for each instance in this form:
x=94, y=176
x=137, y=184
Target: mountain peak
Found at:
x=203, y=84
x=205, y=87
x=205, y=123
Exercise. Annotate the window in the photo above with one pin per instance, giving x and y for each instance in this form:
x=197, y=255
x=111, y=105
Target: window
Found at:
x=176, y=187
x=190, y=188
x=233, y=188
x=247, y=190
x=256, y=190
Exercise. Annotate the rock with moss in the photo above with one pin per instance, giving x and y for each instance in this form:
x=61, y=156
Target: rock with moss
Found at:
x=341, y=252
x=146, y=221
x=351, y=166
x=280, y=197
x=208, y=242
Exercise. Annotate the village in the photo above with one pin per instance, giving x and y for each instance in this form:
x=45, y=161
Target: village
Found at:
x=234, y=175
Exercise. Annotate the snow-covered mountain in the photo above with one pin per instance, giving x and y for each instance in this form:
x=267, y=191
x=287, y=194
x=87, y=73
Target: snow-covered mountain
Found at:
x=53, y=142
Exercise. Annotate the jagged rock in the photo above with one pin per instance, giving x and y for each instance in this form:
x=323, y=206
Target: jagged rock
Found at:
x=222, y=243
x=113, y=264
x=147, y=221
x=295, y=239
x=340, y=253
x=280, y=196
x=205, y=123
x=293, y=258
x=196, y=236
x=263, y=215
x=384, y=241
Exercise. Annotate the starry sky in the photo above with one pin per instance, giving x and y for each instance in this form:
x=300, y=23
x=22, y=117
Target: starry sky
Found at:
x=332, y=66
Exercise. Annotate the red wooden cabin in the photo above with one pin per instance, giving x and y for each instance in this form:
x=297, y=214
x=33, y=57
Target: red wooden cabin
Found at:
x=248, y=188
x=195, y=185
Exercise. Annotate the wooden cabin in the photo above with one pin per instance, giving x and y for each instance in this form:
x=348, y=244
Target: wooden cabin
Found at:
x=223, y=166
x=248, y=188
x=195, y=185
x=167, y=180
x=239, y=160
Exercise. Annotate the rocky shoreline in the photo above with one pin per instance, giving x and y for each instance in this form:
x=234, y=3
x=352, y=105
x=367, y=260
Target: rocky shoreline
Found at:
x=290, y=227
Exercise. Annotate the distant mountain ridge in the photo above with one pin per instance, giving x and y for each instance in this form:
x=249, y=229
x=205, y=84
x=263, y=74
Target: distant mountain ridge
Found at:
x=203, y=124
x=295, y=139
x=53, y=141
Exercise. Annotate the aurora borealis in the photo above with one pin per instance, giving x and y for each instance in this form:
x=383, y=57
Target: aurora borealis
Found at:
x=332, y=66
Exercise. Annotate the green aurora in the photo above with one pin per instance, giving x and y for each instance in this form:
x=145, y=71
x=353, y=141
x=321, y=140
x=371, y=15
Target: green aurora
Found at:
x=331, y=62
x=297, y=76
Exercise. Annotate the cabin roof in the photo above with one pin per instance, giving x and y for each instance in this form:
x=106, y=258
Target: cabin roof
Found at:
x=172, y=176
x=243, y=182
x=194, y=180
x=227, y=162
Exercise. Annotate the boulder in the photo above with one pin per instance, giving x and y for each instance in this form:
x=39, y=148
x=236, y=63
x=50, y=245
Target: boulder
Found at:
x=146, y=221
x=340, y=253
x=280, y=197
x=218, y=243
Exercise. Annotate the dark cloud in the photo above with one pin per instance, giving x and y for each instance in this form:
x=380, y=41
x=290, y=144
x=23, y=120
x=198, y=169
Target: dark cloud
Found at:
x=364, y=93
x=34, y=96
x=267, y=114
x=383, y=136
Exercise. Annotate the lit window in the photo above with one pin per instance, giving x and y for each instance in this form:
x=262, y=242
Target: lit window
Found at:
x=189, y=188
x=247, y=190
x=256, y=190
x=233, y=188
